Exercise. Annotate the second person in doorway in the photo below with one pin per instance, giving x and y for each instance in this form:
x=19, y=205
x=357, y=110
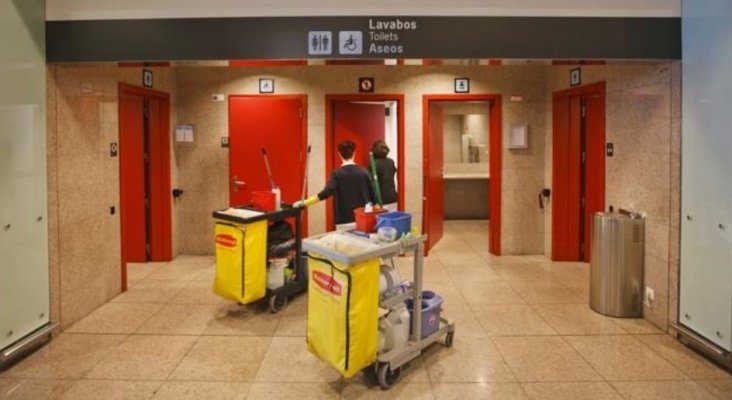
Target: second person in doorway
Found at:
x=385, y=172
x=350, y=185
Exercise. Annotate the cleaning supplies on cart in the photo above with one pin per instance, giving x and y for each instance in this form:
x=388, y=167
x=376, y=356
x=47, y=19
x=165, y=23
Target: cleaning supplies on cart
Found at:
x=241, y=248
x=278, y=198
x=365, y=219
x=386, y=234
x=276, y=272
x=401, y=221
x=388, y=281
x=431, y=307
x=394, y=329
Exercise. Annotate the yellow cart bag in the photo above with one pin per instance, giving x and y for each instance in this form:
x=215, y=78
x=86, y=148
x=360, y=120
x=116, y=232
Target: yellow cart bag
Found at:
x=241, y=261
x=343, y=307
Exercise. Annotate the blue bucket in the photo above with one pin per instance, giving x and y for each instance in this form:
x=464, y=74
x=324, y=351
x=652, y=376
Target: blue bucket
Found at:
x=431, y=304
x=401, y=221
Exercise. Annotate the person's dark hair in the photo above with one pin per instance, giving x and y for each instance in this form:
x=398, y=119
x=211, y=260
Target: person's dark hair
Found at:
x=380, y=149
x=346, y=149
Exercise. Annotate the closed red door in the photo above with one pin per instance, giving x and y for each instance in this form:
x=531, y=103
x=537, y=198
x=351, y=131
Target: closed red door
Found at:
x=363, y=124
x=578, y=176
x=277, y=124
x=434, y=198
x=132, y=177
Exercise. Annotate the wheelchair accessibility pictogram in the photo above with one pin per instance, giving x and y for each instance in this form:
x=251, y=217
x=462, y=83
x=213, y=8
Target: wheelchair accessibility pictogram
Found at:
x=350, y=42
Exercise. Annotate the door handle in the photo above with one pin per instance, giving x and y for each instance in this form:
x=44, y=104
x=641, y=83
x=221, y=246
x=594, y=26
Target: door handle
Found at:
x=237, y=183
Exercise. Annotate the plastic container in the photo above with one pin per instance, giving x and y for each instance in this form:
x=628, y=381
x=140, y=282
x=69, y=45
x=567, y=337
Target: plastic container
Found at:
x=276, y=273
x=402, y=221
x=366, y=221
x=386, y=234
x=264, y=200
x=388, y=280
x=278, y=198
x=394, y=329
x=431, y=307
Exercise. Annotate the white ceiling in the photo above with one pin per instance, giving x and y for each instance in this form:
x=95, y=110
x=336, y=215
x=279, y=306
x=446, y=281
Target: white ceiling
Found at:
x=141, y=9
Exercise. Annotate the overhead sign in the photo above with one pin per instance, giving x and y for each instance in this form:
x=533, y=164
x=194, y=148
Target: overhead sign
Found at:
x=363, y=37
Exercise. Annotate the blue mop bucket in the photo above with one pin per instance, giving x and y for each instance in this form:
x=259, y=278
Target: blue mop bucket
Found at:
x=398, y=220
x=431, y=305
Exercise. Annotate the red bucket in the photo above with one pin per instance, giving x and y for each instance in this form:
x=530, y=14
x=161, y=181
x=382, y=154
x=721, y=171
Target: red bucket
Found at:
x=263, y=200
x=366, y=222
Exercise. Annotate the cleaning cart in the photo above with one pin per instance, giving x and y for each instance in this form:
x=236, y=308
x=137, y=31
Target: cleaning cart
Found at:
x=243, y=249
x=345, y=303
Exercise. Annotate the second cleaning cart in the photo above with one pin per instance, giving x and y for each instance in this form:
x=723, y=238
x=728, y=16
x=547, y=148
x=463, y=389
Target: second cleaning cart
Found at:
x=355, y=325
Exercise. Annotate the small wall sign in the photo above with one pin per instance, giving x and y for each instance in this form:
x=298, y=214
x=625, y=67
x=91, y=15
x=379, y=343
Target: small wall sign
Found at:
x=224, y=141
x=113, y=149
x=575, y=77
x=147, y=78
x=462, y=85
x=366, y=85
x=266, y=85
x=610, y=149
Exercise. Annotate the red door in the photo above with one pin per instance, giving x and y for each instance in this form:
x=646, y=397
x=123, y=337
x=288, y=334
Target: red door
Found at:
x=145, y=196
x=434, y=198
x=360, y=123
x=578, y=177
x=159, y=179
x=277, y=124
x=594, y=139
x=132, y=177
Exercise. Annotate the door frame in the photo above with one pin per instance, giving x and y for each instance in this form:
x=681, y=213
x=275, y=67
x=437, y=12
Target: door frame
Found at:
x=592, y=89
x=495, y=159
x=162, y=186
x=303, y=138
x=330, y=99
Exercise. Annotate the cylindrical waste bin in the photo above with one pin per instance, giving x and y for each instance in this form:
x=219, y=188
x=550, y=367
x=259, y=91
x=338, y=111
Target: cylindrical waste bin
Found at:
x=616, y=264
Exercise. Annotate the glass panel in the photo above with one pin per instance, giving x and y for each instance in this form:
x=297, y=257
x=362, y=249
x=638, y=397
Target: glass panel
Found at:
x=24, y=292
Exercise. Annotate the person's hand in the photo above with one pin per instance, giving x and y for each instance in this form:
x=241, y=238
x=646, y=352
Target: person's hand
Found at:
x=299, y=204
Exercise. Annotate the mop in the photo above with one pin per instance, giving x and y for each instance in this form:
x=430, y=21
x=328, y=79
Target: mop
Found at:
x=377, y=188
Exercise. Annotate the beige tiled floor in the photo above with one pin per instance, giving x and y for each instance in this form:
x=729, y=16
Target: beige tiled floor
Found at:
x=523, y=331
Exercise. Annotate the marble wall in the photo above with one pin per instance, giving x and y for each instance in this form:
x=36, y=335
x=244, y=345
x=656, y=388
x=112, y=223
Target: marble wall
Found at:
x=84, y=238
x=642, y=120
x=203, y=167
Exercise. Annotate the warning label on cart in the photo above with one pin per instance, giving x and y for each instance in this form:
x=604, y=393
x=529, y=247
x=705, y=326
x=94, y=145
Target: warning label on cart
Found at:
x=327, y=283
x=225, y=240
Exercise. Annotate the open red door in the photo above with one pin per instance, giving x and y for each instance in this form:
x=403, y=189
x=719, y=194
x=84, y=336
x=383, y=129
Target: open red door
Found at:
x=578, y=162
x=145, y=196
x=359, y=122
x=434, y=198
x=276, y=123
x=132, y=177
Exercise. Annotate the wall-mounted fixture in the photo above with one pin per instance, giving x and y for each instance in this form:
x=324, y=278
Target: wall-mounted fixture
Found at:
x=518, y=136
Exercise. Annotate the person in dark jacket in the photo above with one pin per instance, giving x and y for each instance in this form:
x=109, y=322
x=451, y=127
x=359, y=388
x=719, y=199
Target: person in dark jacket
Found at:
x=350, y=185
x=385, y=171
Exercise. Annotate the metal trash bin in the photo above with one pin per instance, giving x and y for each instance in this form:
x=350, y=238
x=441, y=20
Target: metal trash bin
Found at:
x=616, y=264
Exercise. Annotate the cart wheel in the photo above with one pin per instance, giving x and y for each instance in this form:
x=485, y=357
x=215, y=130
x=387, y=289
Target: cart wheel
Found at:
x=387, y=377
x=277, y=303
x=370, y=374
x=449, y=338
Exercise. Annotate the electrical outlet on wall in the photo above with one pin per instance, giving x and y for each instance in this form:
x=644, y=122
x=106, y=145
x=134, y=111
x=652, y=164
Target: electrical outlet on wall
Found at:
x=649, y=297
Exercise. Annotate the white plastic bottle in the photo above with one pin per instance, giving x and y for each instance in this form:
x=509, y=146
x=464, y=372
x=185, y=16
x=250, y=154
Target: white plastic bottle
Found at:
x=278, y=196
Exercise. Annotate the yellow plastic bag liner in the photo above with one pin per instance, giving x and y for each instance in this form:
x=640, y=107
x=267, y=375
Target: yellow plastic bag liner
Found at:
x=343, y=306
x=241, y=261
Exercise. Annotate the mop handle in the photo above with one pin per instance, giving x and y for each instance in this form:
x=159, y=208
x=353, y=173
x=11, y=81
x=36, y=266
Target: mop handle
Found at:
x=377, y=187
x=305, y=175
x=269, y=170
